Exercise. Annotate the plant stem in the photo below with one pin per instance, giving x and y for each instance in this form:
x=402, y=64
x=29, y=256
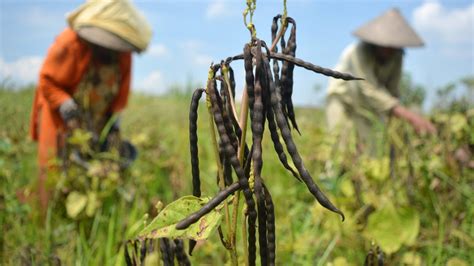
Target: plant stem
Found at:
x=243, y=125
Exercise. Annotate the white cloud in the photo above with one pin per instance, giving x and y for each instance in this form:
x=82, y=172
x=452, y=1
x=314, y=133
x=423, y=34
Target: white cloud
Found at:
x=451, y=26
x=158, y=50
x=202, y=60
x=191, y=45
x=217, y=9
x=193, y=48
x=152, y=83
x=22, y=71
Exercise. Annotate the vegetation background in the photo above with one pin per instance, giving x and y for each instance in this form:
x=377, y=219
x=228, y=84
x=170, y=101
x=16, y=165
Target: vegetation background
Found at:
x=416, y=205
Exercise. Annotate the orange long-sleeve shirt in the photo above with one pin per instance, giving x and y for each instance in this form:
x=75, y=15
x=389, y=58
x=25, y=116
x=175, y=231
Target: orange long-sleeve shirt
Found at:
x=65, y=64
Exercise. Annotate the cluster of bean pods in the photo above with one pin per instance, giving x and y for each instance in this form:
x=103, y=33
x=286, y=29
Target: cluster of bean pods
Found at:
x=169, y=250
x=269, y=93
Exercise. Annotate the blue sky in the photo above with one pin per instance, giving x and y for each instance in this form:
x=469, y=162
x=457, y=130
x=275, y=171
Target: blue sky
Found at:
x=189, y=35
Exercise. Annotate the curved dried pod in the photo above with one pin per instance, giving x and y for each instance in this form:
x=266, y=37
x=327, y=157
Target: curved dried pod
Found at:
x=193, y=141
x=287, y=77
x=208, y=207
x=293, y=151
x=306, y=65
x=271, y=237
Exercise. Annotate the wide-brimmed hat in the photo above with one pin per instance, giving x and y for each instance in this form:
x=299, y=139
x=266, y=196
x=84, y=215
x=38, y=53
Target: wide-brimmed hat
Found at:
x=389, y=30
x=105, y=39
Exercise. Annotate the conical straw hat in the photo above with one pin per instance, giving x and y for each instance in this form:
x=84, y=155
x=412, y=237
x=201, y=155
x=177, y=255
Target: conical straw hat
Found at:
x=389, y=30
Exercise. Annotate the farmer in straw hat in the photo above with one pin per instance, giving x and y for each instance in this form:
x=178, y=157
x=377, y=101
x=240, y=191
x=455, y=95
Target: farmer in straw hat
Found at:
x=86, y=72
x=378, y=59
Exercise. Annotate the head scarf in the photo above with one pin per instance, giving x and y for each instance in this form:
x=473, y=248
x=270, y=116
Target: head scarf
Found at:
x=118, y=17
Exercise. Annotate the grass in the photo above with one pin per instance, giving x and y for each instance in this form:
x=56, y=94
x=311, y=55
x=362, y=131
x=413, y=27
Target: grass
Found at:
x=306, y=233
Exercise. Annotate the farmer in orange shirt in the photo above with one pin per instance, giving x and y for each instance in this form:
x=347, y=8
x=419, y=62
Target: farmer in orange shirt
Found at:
x=85, y=73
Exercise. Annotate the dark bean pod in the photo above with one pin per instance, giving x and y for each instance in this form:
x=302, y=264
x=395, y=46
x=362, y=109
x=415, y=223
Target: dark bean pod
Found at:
x=262, y=225
x=317, y=69
x=226, y=118
x=143, y=246
x=307, y=65
x=232, y=81
x=181, y=256
x=135, y=251
x=272, y=127
x=128, y=259
x=223, y=91
x=232, y=154
x=222, y=238
x=193, y=146
x=227, y=168
x=208, y=207
x=167, y=255
x=282, y=40
x=258, y=122
x=293, y=151
x=276, y=67
x=284, y=69
x=249, y=78
x=369, y=259
x=193, y=141
x=287, y=77
x=227, y=172
x=228, y=98
x=191, y=245
x=271, y=237
x=380, y=257
x=274, y=28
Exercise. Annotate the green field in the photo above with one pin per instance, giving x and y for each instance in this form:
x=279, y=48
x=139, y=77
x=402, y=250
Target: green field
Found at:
x=418, y=206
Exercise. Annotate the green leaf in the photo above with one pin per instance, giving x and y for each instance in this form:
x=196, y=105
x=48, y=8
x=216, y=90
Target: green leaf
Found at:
x=152, y=259
x=412, y=259
x=410, y=221
x=456, y=262
x=339, y=261
x=5, y=146
x=458, y=122
x=75, y=203
x=384, y=226
x=391, y=228
x=80, y=137
x=164, y=224
x=93, y=203
x=377, y=169
x=347, y=188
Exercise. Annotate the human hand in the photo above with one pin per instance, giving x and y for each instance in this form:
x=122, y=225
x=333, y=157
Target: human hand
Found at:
x=69, y=110
x=420, y=124
x=72, y=124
